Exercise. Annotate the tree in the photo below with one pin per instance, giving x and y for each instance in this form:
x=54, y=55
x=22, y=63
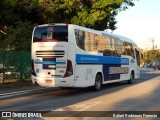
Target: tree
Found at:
x=95, y=14
x=18, y=38
x=19, y=16
x=16, y=25
x=150, y=56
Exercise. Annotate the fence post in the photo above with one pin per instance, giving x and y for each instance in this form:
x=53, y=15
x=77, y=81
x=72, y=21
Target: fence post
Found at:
x=21, y=66
x=3, y=71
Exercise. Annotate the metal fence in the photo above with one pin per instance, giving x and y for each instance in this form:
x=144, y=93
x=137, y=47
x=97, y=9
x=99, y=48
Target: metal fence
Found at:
x=15, y=66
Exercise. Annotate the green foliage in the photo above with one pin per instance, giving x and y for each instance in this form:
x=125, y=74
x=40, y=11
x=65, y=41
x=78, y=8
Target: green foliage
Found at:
x=95, y=14
x=18, y=38
x=17, y=17
x=150, y=56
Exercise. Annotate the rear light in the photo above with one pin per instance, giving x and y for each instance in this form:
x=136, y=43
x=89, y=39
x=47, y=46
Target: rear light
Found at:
x=69, y=70
x=32, y=69
x=50, y=41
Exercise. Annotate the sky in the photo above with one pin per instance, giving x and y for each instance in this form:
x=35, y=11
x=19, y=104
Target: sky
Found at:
x=140, y=22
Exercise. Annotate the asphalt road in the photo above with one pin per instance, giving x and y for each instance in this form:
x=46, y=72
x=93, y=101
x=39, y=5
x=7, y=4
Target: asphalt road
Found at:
x=142, y=95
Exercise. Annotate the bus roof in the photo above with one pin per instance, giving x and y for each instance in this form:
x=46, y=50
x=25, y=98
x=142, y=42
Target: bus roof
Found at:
x=52, y=24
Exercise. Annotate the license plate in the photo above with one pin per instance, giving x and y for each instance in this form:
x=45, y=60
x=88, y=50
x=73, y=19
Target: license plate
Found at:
x=52, y=66
x=48, y=81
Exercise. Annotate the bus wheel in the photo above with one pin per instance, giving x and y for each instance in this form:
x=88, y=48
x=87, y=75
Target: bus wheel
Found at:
x=131, y=78
x=98, y=82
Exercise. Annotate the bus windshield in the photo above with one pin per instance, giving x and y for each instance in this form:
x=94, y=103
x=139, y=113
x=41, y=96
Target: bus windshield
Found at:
x=51, y=33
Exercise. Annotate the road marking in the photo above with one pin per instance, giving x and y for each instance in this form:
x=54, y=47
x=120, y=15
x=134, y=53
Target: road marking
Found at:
x=5, y=95
x=77, y=108
x=80, y=107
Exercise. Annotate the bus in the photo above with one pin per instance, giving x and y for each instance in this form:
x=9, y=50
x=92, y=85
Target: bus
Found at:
x=68, y=55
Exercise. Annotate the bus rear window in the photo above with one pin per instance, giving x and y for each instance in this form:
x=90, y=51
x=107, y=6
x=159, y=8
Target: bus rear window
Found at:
x=55, y=33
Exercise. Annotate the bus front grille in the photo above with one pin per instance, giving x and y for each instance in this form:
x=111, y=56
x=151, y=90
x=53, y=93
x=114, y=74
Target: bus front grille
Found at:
x=50, y=54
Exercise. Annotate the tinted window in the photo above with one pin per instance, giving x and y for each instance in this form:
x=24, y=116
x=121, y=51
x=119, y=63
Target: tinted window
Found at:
x=59, y=33
x=117, y=46
x=91, y=42
x=108, y=45
x=80, y=37
x=128, y=49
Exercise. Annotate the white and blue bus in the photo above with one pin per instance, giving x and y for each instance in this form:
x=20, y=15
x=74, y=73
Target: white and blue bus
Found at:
x=67, y=55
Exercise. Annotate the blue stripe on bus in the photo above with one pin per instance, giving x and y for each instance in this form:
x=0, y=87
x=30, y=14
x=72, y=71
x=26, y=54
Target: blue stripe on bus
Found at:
x=50, y=62
x=94, y=59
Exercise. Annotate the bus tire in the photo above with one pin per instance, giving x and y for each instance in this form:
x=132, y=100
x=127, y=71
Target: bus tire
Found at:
x=130, y=81
x=98, y=83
